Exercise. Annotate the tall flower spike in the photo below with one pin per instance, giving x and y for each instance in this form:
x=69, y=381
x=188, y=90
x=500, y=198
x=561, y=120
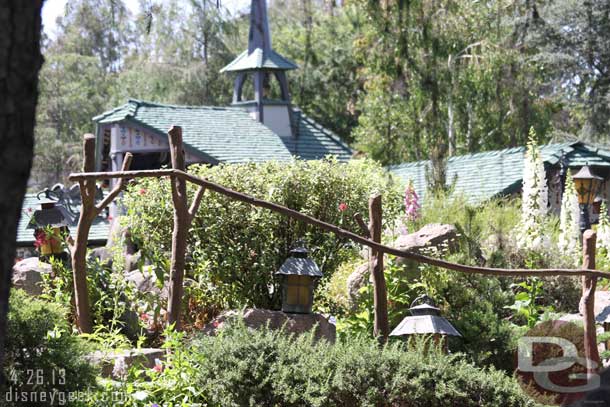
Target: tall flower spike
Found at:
x=411, y=202
x=535, y=199
x=603, y=228
x=569, y=230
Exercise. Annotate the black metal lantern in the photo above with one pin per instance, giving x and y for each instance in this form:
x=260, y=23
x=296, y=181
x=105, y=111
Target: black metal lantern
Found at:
x=587, y=184
x=49, y=223
x=299, y=275
x=425, y=319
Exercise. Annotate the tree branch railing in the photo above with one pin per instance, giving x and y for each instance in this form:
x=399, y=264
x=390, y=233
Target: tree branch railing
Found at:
x=420, y=258
x=370, y=237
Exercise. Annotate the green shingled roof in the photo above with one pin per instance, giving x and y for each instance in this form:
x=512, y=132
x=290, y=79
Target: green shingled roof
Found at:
x=25, y=237
x=258, y=60
x=314, y=142
x=229, y=134
x=482, y=176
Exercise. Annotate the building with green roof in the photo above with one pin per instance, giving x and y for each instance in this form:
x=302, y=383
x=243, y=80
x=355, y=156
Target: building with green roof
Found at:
x=483, y=176
x=254, y=129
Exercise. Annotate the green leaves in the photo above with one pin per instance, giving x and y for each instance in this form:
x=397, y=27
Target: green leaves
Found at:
x=235, y=248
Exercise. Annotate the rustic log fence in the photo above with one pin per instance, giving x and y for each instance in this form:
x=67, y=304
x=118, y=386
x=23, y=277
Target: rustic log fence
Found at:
x=371, y=237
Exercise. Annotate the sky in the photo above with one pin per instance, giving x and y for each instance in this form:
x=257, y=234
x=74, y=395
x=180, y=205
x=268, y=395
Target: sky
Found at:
x=55, y=8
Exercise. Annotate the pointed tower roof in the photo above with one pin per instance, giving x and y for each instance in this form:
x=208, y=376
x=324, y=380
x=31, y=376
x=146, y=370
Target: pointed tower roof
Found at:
x=259, y=55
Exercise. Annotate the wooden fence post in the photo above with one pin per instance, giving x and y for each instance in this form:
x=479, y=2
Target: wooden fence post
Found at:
x=183, y=216
x=89, y=211
x=587, y=302
x=381, y=328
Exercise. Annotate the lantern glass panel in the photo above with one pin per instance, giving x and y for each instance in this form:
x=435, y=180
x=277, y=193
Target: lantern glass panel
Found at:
x=298, y=290
x=583, y=188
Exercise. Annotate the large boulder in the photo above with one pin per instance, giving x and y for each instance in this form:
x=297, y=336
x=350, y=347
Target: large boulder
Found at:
x=358, y=279
x=255, y=318
x=109, y=360
x=433, y=235
x=27, y=275
x=145, y=281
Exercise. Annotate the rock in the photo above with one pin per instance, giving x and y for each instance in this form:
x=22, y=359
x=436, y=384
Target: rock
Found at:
x=255, y=318
x=602, y=304
x=431, y=235
x=358, y=279
x=106, y=360
x=27, y=275
x=102, y=254
x=145, y=281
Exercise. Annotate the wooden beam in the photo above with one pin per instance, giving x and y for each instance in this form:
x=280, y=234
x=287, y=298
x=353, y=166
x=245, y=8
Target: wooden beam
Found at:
x=212, y=186
x=381, y=328
x=79, y=250
x=587, y=302
x=182, y=220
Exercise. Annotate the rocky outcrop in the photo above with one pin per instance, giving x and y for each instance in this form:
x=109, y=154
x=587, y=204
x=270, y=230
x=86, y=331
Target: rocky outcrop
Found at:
x=117, y=362
x=27, y=275
x=255, y=318
x=358, y=279
x=145, y=281
x=433, y=235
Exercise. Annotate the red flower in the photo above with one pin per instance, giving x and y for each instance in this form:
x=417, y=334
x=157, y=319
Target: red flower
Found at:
x=342, y=207
x=144, y=317
x=41, y=238
x=142, y=191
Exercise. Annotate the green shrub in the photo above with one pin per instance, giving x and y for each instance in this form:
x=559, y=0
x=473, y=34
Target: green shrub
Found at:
x=241, y=367
x=106, y=291
x=42, y=354
x=234, y=247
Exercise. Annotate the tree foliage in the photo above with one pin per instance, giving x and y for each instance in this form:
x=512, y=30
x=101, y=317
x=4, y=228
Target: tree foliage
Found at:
x=402, y=80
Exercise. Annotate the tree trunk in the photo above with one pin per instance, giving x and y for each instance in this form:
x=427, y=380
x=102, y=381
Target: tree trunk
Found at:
x=20, y=61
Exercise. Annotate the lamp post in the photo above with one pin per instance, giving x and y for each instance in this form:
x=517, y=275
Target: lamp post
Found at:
x=299, y=275
x=587, y=184
x=49, y=223
x=426, y=319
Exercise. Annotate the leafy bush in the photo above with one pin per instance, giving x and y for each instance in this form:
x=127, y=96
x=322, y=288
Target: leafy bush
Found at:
x=241, y=367
x=234, y=247
x=106, y=291
x=42, y=354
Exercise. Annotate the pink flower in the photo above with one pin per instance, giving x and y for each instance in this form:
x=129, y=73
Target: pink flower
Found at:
x=342, y=207
x=41, y=238
x=411, y=203
x=142, y=191
x=144, y=317
x=109, y=218
x=216, y=324
x=158, y=366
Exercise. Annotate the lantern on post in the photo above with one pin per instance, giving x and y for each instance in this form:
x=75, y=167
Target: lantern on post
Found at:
x=299, y=277
x=426, y=319
x=587, y=184
x=49, y=223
